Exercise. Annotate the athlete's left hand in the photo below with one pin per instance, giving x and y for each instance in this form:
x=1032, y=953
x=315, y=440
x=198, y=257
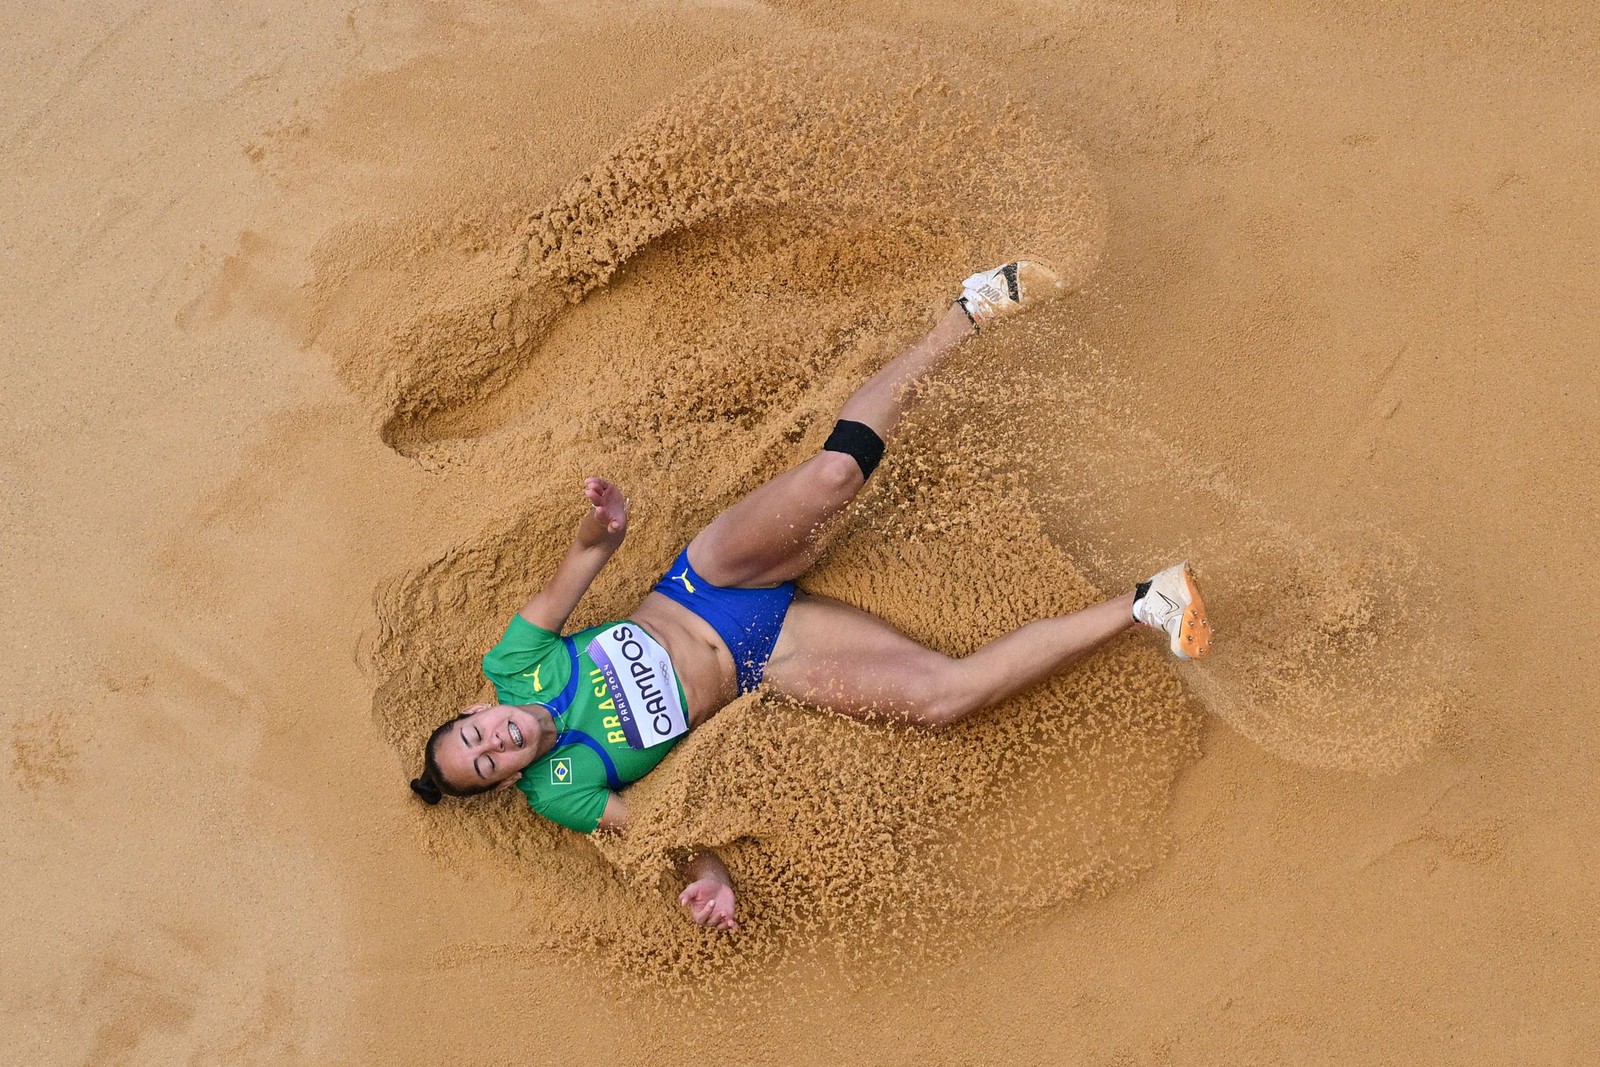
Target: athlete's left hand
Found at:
x=610, y=507
x=709, y=902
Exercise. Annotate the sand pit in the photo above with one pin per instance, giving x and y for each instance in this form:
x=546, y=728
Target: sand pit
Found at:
x=313, y=337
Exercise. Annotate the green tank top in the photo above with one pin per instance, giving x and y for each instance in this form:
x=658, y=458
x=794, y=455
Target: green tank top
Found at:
x=592, y=756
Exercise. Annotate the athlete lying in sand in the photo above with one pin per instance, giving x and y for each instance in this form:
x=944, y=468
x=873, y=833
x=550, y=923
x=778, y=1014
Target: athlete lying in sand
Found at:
x=582, y=716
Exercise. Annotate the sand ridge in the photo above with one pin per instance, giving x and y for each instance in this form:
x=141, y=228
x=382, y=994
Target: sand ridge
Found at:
x=836, y=131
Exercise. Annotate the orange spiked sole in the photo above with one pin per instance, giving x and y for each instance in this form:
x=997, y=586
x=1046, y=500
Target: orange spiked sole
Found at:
x=1194, y=633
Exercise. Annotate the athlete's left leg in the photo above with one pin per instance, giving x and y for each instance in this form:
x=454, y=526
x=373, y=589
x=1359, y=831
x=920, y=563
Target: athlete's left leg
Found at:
x=851, y=662
x=772, y=534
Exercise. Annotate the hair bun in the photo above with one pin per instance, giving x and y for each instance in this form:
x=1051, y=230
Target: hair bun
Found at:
x=426, y=790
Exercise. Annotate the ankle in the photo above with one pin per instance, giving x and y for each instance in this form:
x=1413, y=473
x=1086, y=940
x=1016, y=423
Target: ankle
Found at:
x=958, y=320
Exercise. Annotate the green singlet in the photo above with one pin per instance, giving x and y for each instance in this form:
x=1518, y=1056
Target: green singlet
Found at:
x=571, y=783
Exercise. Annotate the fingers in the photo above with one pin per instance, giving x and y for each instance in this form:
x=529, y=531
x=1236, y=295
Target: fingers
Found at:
x=700, y=910
x=602, y=494
x=707, y=910
x=610, y=506
x=598, y=489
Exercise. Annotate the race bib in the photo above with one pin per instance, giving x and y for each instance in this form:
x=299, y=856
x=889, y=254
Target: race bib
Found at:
x=639, y=673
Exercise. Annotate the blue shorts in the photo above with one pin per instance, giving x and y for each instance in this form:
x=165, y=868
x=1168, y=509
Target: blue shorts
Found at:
x=747, y=620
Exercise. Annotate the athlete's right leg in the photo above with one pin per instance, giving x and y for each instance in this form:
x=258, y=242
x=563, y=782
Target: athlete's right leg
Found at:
x=851, y=662
x=848, y=661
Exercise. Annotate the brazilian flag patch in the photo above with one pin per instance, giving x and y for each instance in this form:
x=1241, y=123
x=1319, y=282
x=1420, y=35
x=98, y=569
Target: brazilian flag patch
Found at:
x=561, y=771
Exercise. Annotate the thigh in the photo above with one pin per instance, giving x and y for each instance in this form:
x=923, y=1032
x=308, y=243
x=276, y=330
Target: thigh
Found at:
x=851, y=662
x=776, y=532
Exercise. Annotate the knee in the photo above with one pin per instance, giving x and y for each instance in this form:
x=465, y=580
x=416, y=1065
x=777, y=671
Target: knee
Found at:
x=836, y=473
x=859, y=441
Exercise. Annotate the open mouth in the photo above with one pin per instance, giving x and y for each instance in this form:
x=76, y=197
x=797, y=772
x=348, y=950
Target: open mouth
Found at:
x=516, y=733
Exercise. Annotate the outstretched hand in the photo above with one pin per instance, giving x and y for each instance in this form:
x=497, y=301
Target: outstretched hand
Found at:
x=709, y=902
x=610, y=512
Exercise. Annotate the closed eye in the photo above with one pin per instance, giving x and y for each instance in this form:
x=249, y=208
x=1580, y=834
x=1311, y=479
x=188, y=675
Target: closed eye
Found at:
x=477, y=764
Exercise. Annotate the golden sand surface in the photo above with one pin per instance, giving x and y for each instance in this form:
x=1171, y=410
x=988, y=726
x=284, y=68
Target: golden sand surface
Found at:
x=318, y=316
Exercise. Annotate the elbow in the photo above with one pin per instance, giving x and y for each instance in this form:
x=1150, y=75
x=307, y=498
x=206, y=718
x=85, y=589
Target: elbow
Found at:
x=939, y=704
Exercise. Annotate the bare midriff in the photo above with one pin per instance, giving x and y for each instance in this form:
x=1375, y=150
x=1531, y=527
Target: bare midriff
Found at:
x=703, y=663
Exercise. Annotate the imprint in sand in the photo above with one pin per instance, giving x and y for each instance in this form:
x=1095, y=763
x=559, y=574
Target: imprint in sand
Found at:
x=685, y=318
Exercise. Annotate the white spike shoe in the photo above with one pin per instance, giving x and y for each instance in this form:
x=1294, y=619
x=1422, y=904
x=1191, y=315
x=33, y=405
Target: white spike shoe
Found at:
x=1172, y=603
x=994, y=294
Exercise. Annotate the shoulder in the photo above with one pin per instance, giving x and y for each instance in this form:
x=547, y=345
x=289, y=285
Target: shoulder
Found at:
x=528, y=664
x=522, y=635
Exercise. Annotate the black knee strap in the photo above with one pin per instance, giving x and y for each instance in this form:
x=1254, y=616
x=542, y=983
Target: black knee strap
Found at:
x=858, y=441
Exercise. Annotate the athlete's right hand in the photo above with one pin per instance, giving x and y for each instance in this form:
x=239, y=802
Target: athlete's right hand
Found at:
x=709, y=902
x=610, y=514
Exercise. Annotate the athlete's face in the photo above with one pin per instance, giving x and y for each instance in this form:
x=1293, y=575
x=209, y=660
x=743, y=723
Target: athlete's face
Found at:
x=490, y=744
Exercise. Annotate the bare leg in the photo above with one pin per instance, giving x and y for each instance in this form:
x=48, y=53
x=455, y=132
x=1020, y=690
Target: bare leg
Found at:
x=772, y=535
x=848, y=661
x=878, y=403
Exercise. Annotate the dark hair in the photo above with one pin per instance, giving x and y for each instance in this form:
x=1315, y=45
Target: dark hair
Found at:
x=432, y=786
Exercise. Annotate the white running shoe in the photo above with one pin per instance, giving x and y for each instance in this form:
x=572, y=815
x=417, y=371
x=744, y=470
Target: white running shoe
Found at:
x=1172, y=603
x=994, y=294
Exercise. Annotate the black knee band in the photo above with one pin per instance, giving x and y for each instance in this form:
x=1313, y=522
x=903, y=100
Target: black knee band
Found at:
x=858, y=441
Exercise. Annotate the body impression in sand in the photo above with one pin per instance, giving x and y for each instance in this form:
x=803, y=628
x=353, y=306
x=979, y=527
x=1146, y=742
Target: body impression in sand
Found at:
x=689, y=314
x=583, y=715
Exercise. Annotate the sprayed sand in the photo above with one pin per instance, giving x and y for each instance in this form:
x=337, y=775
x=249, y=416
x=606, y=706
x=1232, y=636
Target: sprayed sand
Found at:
x=346, y=333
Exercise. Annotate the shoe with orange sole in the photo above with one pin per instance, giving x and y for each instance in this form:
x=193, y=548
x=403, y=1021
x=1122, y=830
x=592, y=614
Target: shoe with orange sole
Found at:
x=994, y=294
x=1173, y=603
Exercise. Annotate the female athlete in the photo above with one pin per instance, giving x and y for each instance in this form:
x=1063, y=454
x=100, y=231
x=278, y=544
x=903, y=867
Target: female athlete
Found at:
x=583, y=715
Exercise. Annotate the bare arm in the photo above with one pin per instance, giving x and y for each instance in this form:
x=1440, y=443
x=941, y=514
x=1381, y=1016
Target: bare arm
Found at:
x=708, y=895
x=599, y=535
x=615, y=817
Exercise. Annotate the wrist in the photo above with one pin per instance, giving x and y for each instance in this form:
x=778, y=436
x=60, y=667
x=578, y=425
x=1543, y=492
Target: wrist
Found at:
x=704, y=865
x=592, y=533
